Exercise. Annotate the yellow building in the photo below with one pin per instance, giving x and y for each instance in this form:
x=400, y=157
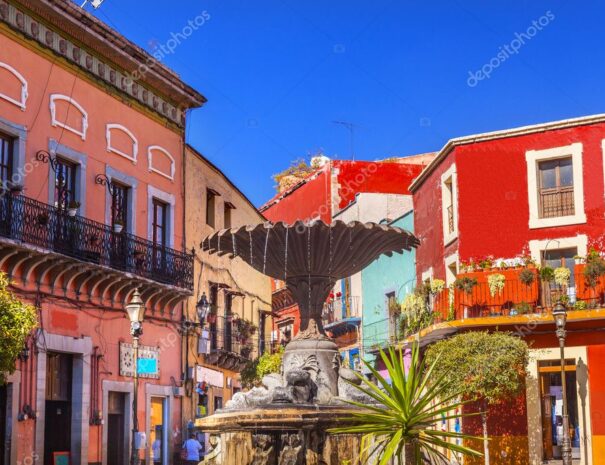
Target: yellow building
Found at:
x=230, y=312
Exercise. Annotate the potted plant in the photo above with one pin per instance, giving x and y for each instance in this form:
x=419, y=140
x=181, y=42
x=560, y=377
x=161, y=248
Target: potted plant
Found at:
x=547, y=274
x=580, y=305
x=577, y=259
x=15, y=188
x=523, y=308
x=594, y=269
x=561, y=276
x=43, y=219
x=495, y=283
x=72, y=207
x=465, y=284
x=526, y=276
x=118, y=225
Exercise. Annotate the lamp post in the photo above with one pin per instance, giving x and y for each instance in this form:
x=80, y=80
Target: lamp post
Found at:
x=202, y=308
x=560, y=315
x=136, y=312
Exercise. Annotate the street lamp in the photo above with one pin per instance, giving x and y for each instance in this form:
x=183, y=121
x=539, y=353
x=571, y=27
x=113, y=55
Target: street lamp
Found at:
x=202, y=308
x=136, y=312
x=560, y=315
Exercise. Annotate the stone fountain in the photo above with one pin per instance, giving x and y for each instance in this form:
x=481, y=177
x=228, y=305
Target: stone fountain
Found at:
x=285, y=421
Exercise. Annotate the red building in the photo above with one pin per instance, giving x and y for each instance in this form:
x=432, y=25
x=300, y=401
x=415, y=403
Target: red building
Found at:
x=321, y=195
x=501, y=202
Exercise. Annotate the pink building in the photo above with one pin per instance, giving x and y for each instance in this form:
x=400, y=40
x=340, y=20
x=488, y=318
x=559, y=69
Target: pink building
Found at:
x=91, y=145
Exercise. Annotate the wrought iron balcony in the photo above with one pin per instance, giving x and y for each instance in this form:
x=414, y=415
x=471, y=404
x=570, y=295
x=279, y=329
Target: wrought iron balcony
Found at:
x=28, y=221
x=224, y=346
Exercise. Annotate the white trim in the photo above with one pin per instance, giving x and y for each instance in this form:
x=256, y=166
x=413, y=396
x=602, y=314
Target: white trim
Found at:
x=449, y=174
x=125, y=130
x=22, y=80
x=447, y=261
x=427, y=275
x=55, y=122
x=532, y=158
x=536, y=247
x=150, y=150
x=534, y=417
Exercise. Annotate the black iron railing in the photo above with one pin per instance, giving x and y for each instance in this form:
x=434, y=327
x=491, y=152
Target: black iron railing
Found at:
x=32, y=222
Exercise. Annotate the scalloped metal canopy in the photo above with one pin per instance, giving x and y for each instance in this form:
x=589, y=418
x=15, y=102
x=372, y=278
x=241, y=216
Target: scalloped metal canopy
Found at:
x=334, y=251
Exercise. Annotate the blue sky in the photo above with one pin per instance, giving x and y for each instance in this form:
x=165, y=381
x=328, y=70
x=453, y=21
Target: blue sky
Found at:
x=278, y=73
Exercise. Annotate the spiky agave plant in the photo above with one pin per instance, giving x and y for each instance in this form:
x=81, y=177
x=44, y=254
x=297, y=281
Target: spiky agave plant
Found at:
x=403, y=423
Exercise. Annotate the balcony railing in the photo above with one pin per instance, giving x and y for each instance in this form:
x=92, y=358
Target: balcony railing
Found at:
x=341, y=308
x=556, y=202
x=223, y=346
x=29, y=221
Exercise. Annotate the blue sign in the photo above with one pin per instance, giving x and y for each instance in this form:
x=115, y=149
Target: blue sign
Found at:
x=147, y=366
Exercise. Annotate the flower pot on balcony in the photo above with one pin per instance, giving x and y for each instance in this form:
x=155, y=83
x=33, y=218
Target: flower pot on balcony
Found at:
x=117, y=228
x=42, y=219
x=72, y=211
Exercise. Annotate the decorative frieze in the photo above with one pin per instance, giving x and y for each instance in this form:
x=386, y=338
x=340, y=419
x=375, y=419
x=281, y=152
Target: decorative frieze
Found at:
x=64, y=47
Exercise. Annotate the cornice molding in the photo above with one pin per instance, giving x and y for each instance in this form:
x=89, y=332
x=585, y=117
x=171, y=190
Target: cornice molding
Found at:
x=61, y=44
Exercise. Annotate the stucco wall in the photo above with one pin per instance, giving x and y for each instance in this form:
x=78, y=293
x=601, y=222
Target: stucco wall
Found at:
x=387, y=274
x=493, y=205
x=255, y=287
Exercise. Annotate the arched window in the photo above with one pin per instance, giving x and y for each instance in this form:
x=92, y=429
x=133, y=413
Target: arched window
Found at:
x=12, y=89
x=160, y=161
x=121, y=141
x=61, y=114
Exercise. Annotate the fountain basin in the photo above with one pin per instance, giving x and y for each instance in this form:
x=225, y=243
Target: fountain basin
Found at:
x=279, y=434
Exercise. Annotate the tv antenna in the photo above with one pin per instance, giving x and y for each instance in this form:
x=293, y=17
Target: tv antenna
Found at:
x=351, y=128
x=95, y=3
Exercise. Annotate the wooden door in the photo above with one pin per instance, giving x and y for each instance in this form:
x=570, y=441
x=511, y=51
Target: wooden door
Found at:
x=546, y=401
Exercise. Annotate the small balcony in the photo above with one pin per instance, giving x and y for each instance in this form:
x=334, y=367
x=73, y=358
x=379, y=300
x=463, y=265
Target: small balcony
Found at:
x=224, y=343
x=503, y=297
x=32, y=232
x=342, y=315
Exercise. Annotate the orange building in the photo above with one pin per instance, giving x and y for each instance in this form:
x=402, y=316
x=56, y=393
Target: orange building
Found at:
x=92, y=162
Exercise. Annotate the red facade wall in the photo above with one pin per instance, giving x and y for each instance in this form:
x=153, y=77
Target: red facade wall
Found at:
x=428, y=222
x=493, y=194
x=310, y=200
x=493, y=197
x=366, y=176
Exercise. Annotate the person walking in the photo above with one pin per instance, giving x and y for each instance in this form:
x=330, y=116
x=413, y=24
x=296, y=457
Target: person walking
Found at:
x=192, y=449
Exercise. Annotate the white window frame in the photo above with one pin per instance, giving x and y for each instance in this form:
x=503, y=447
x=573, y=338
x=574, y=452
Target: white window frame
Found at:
x=533, y=157
x=449, y=174
x=53, y=115
x=447, y=261
x=427, y=275
x=537, y=247
x=150, y=151
x=135, y=143
x=20, y=103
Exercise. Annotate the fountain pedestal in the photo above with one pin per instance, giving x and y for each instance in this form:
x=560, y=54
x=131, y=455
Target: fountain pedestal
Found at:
x=281, y=435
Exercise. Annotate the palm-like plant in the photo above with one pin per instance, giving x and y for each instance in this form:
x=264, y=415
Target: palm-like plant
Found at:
x=402, y=423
